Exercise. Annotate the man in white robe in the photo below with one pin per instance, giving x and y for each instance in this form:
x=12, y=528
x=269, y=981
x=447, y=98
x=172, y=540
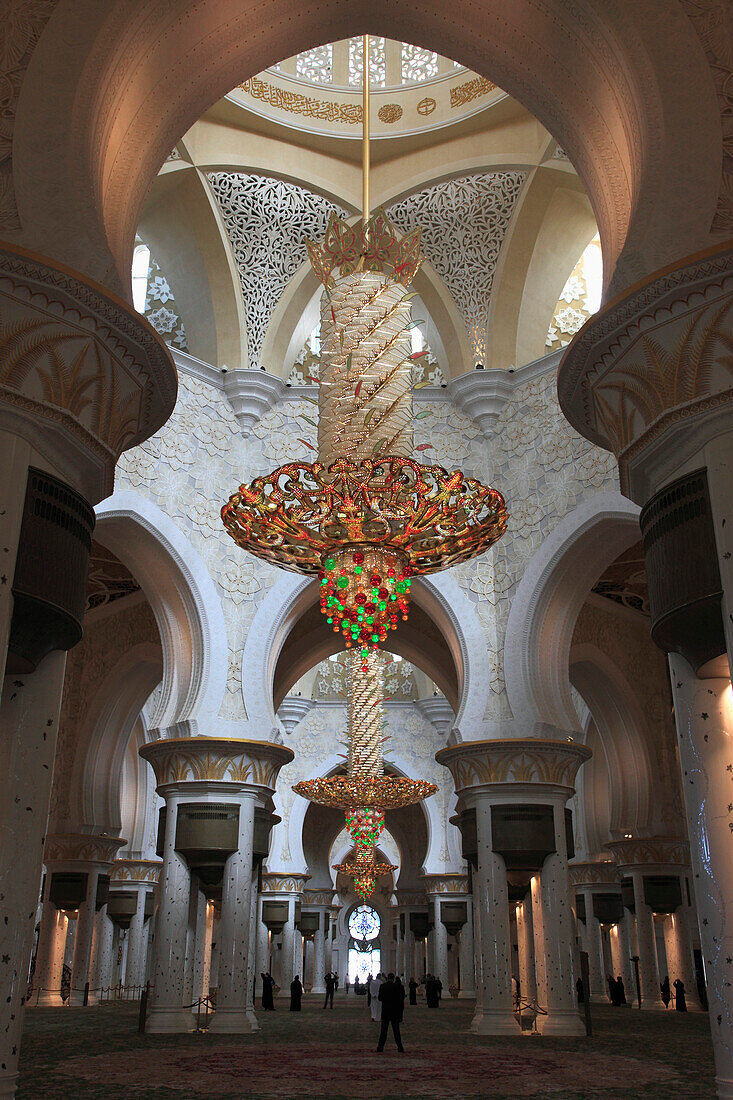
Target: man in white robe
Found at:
x=376, y=1006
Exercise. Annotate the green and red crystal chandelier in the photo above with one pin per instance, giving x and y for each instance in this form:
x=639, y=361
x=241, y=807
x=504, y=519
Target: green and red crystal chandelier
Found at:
x=367, y=517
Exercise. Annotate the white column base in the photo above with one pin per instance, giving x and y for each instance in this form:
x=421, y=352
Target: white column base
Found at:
x=724, y=1086
x=47, y=1000
x=8, y=1081
x=76, y=1000
x=656, y=1006
x=162, y=1021
x=561, y=1023
x=495, y=1023
x=319, y=989
x=232, y=1021
x=467, y=995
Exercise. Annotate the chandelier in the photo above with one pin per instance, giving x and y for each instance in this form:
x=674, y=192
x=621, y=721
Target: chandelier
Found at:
x=367, y=516
x=365, y=792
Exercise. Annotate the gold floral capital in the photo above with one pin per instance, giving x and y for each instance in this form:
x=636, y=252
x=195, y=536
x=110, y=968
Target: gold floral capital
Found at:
x=283, y=883
x=593, y=873
x=477, y=763
x=80, y=361
x=644, y=850
x=216, y=760
x=136, y=871
x=81, y=848
x=445, y=884
x=653, y=358
x=317, y=897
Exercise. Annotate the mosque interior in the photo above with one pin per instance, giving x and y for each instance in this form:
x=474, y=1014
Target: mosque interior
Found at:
x=364, y=608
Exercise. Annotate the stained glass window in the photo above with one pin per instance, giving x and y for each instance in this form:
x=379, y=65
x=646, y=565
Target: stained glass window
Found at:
x=364, y=923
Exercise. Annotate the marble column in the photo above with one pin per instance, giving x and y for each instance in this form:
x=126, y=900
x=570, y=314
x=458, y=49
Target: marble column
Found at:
x=208, y=770
x=648, y=968
x=199, y=954
x=263, y=942
x=319, y=945
x=440, y=945
x=515, y=772
x=525, y=943
x=252, y=949
x=102, y=975
x=466, y=949
x=166, y=1003
x=50, y=957
x=594, y=947
x=135, y=965
x=232, y=1011
x=496, y=1015
x=83, y=940
x=679, y=958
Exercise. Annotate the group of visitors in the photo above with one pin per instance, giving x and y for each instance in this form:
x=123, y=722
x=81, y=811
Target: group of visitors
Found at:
x=680, y=1002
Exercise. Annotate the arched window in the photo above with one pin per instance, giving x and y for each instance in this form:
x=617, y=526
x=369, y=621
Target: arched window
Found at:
x=364, y=955
x=140, y=267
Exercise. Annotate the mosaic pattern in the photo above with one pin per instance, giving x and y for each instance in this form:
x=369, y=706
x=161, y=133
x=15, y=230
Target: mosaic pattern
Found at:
x=464, y=222
x=161, y=309
x=267, y=221
x=316, y=65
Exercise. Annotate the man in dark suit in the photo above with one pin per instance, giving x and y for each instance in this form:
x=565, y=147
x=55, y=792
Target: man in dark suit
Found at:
x=392, y=997
x=330, y=989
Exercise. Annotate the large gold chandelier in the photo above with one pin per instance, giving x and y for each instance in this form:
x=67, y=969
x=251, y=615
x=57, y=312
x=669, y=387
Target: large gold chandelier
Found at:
x=367, y=516
x=365, y=792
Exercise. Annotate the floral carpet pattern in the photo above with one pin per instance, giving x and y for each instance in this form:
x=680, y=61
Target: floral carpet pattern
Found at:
x=96, y=1053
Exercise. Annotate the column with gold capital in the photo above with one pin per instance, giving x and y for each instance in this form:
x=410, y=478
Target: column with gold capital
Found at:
x=512, y=795
x=212, y=787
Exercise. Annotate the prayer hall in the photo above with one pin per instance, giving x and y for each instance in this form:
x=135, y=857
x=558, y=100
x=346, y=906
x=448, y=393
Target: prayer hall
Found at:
x=366, y=560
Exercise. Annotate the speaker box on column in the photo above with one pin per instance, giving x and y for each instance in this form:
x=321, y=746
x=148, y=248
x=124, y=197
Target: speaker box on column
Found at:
x=682, y=570
x=51, y=569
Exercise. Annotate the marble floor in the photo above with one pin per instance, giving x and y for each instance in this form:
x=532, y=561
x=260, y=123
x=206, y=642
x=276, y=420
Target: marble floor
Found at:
x=96, y=1053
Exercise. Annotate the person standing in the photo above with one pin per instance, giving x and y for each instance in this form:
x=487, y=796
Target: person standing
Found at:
x=438, y=992
x=392, y=1000
x=346, y=986
x=431, y=991
x=296, y=992
x=413, y=991
x=620, y=990
x=665, y=991
x=375, y=986
x=679, y=995
x=267, y=984
x=330, y=989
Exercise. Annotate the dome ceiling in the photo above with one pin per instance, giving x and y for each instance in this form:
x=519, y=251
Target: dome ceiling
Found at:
x=413, y=90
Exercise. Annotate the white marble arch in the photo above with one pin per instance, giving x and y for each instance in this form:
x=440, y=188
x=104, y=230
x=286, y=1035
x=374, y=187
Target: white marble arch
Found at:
x=184, y=601
x=620, y=773
x=137, y=797
x=102, y=741
x=290, y=596
x=546, y=605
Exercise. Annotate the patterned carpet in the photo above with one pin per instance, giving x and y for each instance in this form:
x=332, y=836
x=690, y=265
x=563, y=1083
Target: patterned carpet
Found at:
x=96, y=1053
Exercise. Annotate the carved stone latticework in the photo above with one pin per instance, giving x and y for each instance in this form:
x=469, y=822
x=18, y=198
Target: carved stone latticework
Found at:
x=594, y=873
x=463, y=224
x=267, y=221
x=216, y=760
x=278, y=883
x=651, y=361
x=477, y=763
x=82, y=363
x=81, y=848
x=659, y=851
x=136, y=871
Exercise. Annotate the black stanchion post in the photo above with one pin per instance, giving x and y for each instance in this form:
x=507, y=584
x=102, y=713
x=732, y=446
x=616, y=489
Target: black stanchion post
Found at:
x=85, y=1000
x=635, y=961
x=143, y=1011
x=585, y=978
